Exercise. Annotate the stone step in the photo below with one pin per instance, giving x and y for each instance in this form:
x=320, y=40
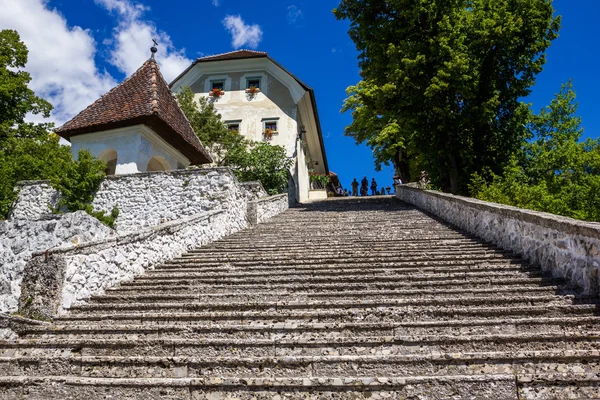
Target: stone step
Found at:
x=181, y=265
x=219, y=248
x=339, y=279
x=323, y=273
x=161, y=296
x=334, y=346
x=391, y=302
x=580, y=362
x=502, y=282
x=502, y=387
x=313, y=330
x=380, y=314
x=345, y=253
x=559, y=386
x=365, y=259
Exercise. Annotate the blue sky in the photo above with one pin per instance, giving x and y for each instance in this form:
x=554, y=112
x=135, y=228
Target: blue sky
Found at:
x=81, y=48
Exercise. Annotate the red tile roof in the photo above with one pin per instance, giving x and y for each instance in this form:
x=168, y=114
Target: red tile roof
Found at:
x=143, y=98
x=234, y=55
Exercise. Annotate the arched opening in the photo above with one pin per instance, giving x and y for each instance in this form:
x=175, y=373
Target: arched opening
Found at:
x=109, y=156
x=157, y=163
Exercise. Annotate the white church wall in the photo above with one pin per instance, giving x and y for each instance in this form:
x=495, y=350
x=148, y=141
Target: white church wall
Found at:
x=135, y=146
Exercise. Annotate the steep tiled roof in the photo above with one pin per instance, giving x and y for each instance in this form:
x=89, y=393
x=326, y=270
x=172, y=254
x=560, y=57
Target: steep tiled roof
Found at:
x=234, y=55
x=143, y=98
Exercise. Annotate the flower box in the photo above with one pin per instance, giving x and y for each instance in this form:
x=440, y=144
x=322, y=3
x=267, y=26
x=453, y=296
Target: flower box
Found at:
x=216, y=92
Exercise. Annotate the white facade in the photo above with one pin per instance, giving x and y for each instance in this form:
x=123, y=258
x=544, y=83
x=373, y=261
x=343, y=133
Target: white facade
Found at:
x=130, y=150
x=282, y=101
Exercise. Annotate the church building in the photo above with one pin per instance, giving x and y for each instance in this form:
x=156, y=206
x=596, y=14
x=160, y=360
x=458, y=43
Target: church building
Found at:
x=138, y=126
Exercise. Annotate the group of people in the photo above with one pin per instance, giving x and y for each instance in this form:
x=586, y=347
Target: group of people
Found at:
x=364, y=188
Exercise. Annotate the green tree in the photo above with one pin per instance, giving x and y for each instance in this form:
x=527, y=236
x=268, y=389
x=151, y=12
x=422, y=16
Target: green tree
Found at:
x=267, y=164
x=554, y=171
x=27, y=150
x=442, y=79
x=223, y=145
x=78, y=183
x=250, y=161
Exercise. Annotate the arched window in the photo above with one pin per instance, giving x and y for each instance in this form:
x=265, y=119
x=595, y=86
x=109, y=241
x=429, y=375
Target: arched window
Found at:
x=109, y=156
x=158, y=163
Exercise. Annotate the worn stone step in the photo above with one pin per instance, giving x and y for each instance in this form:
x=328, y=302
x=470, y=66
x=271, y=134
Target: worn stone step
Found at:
x=321, y=273
x=198, y=278
x=392, y=302
x=380, y=314
x=501, y=387
x=366, y=258
x=325, y=253
x=287, y=267
x=582, y=362
x=161, y=296
x=559, y=386
x=223, y=249
x=335, y=346
x=314, y=330
x=309, y=287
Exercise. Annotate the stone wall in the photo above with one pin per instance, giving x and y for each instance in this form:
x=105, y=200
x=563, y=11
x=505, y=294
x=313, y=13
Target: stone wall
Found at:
x=261, y=210
x=253, y=190
x=19, y=238
x=564, y=247
x=71, y=275
x=144, y=199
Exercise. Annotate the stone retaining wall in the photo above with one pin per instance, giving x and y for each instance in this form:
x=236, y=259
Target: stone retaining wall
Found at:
x=262, y=209
x=67, y=276
x=144, y=199
x=564, y=247
x=19, y=238
x=253, y=190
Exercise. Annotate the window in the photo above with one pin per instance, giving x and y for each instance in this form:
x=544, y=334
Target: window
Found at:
x=271, y=125
x=217, y=85
x=233, y=128
x=253, y=82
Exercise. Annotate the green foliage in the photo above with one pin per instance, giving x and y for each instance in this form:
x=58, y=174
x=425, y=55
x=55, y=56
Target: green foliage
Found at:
x=442, y=81
x=78, y=184
x=222, y=144
x=554, y=172
x=267, y=164
x=321, y=179
x=27, y=150
x=250, y=161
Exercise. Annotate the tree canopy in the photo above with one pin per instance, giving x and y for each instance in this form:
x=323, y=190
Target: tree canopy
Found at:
x=250, y=161
x=442, y=81
x=554, y=171
x=28, y=150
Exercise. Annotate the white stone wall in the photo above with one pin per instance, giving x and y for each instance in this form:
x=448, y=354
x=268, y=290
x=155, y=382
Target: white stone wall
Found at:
x=564, y=247
x=19, y=238
x=135, y=146
x=34, y=200
x=263, y=209
x=253, y=190
x=93, y=268
x=146, y=199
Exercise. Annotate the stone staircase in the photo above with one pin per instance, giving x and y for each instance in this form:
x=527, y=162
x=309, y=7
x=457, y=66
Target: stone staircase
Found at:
x=340, y=299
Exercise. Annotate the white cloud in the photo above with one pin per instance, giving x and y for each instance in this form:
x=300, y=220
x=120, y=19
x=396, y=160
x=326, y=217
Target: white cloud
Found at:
x=215, y=3
x=132, y=40
x=293, y=14
x=242, y=34
x=61, y=58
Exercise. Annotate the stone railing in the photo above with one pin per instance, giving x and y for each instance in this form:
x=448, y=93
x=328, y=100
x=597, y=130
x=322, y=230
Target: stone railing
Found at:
x=253, y=190
x=564, y=247
x=62, y=277
x=144, y=199
x=20, y=238
x=264, y=208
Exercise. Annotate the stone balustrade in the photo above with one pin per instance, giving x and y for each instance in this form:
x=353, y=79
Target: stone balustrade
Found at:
x=565, y=247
